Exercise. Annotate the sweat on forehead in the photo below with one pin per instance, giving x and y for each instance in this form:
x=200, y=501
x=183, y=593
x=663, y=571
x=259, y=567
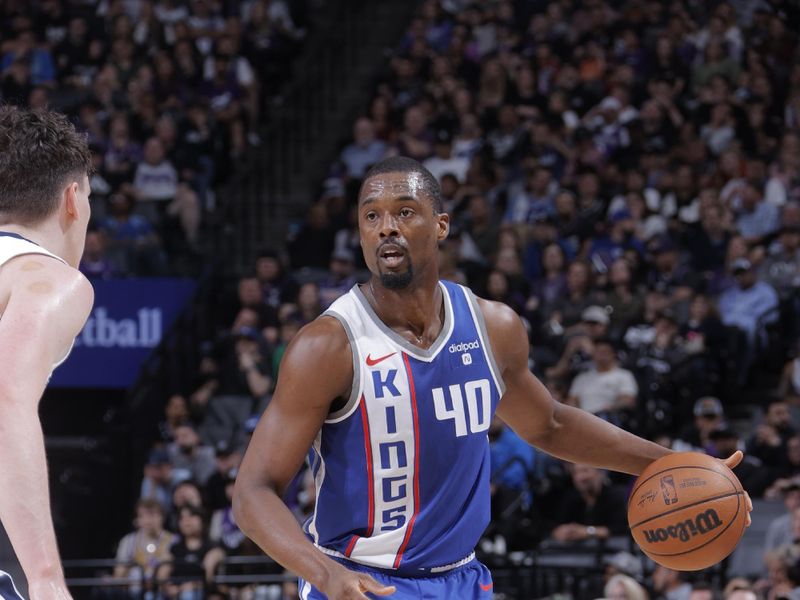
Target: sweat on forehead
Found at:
x=401, y=176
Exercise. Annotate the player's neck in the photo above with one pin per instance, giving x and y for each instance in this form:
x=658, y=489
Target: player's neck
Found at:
x=415, y=312
x=47, y=234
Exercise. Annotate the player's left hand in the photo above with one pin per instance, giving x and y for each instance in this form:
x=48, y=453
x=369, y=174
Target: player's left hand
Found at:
x=730, y=462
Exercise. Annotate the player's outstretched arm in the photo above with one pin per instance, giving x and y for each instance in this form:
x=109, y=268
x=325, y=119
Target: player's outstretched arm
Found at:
x=48, y=303
x=564, y=431
x=316, y=369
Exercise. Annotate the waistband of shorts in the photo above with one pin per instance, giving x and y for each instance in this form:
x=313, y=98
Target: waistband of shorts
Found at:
x=417, y=573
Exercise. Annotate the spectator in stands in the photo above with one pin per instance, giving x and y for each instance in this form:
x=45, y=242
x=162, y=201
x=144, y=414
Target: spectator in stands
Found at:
x=158, y=480
x=277, y=286
x=444, y=161
x=623, y=563
x=789, y=386
x=757, y=218
x=195, y=558
x=606, y=389
x=590, y=508
x=139, y=553
x=313, y=243
x=625, y=299
x=789, y=469
x=748, y=304
x=768, y=442
x=227, y=465
x=223, y=530
x=708, y=416
x=623, y=587
x=780, y=532
x=176, y=412
x=577, y=353
x=365, y=151
x=309, y=301
x=96, y=262
x=155, y=181
x=243, y=378
x=781, y=269
x=670, y=585
x=341, y=277
x=702, y=590
x=132, y=238
x=752, y=474
x=189, y=457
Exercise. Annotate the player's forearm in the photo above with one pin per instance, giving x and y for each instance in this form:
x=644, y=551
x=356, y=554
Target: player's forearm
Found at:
x=25, y=512
x=264, y=518
x=580, y=437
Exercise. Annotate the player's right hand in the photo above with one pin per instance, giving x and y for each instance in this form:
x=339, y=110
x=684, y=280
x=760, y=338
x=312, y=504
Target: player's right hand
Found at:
x=350, y=585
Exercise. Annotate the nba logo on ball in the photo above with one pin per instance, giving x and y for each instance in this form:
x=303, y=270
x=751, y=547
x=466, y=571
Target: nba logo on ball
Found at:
x=696, y=528
x=668, y=490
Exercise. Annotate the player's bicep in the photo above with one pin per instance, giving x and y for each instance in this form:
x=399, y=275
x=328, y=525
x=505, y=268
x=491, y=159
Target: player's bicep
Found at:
x=315, y=370
x=526, y=406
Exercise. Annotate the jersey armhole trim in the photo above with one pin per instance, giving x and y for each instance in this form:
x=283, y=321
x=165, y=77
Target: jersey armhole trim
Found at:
x=355, y=390
x=477, y=315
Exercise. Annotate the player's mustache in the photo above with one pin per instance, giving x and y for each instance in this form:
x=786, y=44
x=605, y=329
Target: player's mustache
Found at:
x=393, y=244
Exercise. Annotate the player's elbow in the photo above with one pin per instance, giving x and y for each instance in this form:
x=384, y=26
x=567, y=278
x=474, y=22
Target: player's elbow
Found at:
x=241, y=510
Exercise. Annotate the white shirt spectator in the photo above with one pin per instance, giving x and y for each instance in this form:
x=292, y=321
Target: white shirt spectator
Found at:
x=157, y=183
x=458, y=166
x=598, y=392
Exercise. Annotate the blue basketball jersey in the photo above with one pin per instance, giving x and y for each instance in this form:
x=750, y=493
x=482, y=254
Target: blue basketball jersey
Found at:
x=402, y=470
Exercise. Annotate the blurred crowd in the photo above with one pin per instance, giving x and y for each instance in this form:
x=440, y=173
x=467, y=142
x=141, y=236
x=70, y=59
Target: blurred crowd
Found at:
x=625, y=174
x=170, y=93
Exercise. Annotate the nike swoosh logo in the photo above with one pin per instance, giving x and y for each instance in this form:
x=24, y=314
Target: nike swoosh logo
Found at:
x=371, y=362
x=486, y=586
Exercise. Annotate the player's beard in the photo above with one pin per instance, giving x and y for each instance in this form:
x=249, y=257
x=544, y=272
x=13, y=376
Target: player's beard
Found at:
x=398, y=281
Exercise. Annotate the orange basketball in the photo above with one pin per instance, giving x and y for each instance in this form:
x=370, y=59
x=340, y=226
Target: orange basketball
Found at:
x=687, y=511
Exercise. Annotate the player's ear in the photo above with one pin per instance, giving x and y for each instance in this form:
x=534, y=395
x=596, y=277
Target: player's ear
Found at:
x=71, y=200
x=442, y=225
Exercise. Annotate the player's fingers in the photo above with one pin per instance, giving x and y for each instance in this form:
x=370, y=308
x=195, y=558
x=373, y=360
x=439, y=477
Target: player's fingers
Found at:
x=734, y=459
x=749, y=503
x=368, y=584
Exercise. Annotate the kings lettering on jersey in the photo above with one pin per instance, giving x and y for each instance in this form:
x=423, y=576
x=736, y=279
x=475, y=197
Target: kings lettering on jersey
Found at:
x=402, y=471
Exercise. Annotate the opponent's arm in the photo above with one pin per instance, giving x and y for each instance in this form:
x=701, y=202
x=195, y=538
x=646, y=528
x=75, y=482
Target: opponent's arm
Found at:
x=48, y=303
x=316, y=369
x=563, y=431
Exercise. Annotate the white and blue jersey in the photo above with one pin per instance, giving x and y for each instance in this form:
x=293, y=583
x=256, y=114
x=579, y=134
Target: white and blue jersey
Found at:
x=402, y=470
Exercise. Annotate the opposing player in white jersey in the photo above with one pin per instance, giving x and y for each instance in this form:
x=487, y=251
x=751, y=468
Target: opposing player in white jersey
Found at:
x=390, y=394
x=44, y=303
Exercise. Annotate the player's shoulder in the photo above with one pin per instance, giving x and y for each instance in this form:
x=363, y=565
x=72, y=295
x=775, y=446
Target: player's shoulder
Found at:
x=320, y=341
x=499, y=317
x=507, y=334
x=39, y=277
x=319, y=356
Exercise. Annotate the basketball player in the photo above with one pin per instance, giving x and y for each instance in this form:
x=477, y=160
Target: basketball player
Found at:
x=44, y=302
x=392, y=390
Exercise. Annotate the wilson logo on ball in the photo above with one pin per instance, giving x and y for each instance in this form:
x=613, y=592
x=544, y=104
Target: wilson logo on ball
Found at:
x=699, y=525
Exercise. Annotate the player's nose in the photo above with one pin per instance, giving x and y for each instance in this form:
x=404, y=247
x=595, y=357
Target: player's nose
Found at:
x=388, y=226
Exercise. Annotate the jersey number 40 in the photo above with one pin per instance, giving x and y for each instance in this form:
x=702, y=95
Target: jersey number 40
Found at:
x=471, y=400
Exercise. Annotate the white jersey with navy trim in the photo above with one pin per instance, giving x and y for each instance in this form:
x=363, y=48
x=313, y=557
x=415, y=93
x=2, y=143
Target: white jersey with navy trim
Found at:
x=13, y=245
x=402, y=470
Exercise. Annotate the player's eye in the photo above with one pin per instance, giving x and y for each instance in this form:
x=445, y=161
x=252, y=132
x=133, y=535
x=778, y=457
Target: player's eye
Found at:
x=370, y=216
x=406, y=212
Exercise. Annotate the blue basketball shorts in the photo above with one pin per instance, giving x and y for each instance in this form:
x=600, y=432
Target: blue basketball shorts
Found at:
x=471, y=581
x=8, y=591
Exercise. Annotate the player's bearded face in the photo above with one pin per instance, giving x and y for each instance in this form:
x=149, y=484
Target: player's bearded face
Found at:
x=398, y=281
